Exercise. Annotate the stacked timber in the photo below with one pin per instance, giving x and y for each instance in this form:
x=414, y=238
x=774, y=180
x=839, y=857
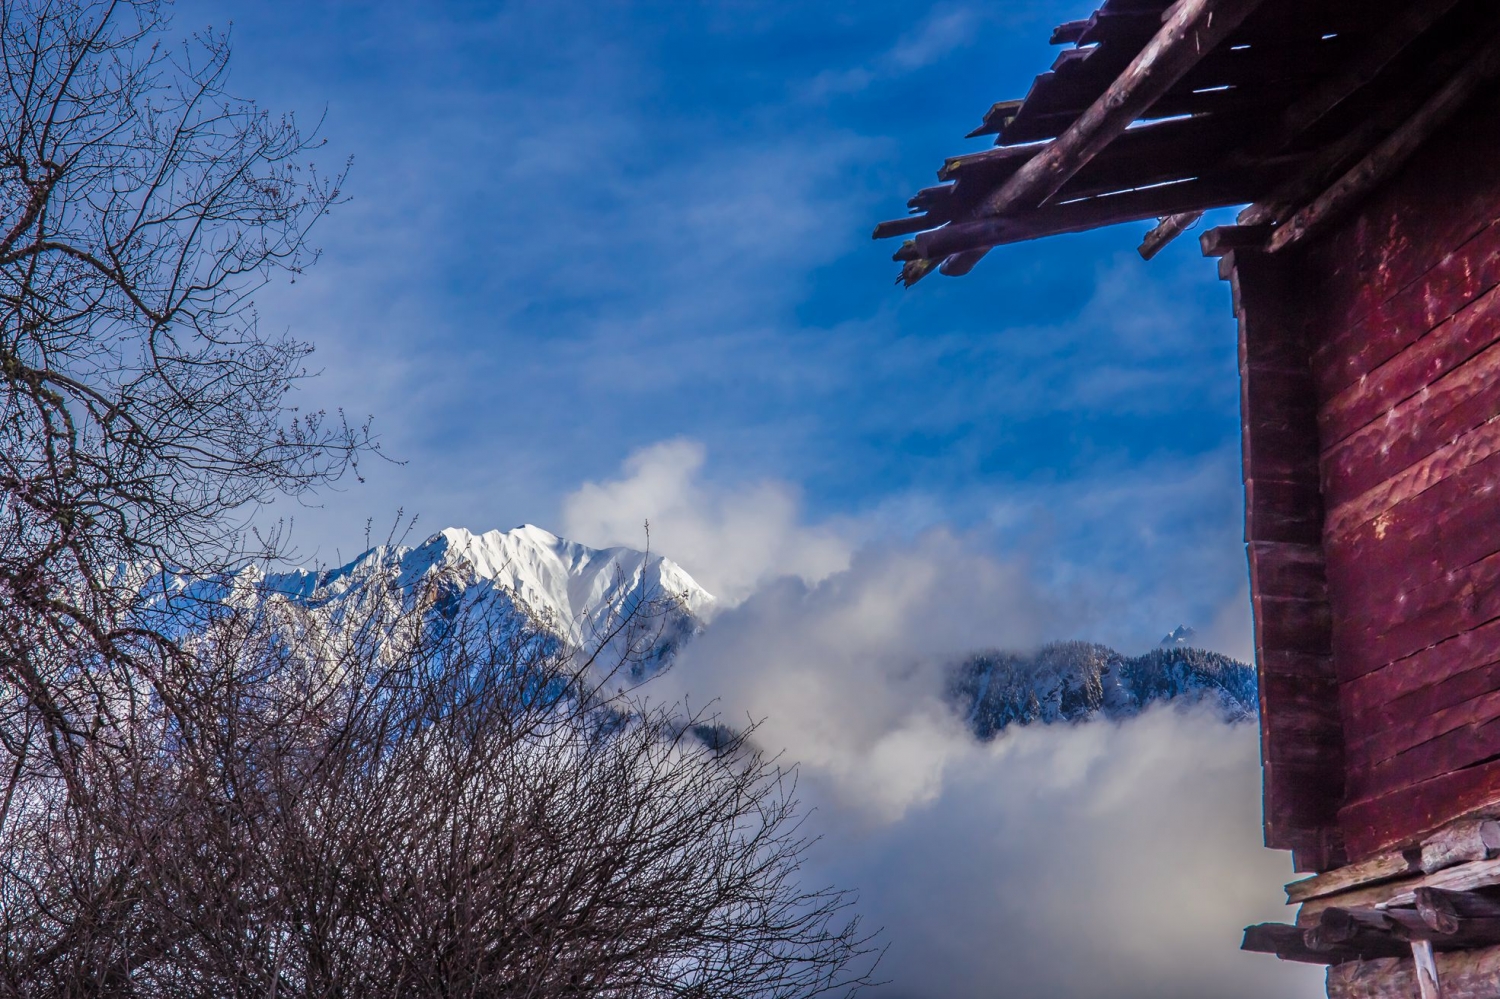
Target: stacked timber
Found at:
x=1423, y=921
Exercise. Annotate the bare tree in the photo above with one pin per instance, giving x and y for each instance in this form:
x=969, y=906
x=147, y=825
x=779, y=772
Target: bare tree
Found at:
x=141, y=407
x=416, y=803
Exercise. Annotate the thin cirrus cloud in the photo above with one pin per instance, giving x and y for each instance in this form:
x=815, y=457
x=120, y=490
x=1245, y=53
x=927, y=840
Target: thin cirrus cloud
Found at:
x=583, y=233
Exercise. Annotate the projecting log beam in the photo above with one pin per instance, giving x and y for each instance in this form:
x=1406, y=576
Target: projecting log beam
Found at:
x=1467, y=974
x=1391, y=154
x=1370, y=932
x=1074, y=216
x=1286, y=942
x=1385, y=867
x=1167, y=230
x=1190, y=30
x=1469, y=914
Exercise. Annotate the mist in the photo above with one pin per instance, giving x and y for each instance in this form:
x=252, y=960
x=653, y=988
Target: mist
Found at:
x=1101, y=859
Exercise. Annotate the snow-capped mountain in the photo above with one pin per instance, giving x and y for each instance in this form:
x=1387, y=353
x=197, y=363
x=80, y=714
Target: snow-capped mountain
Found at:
x=530, y=577
x=1074, y=681
x=569, y=589
x=525, y=577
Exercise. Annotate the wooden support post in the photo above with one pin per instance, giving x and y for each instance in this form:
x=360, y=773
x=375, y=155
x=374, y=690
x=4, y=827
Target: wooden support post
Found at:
x=1427, y=974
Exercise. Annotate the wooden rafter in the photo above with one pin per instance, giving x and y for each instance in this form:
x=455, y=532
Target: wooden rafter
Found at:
x=1389, y=155
x=1393, y=39
x=1191, y=29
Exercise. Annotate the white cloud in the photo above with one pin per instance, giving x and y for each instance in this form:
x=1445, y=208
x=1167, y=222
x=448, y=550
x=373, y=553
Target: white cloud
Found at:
x=944, y=30
x=1108, y=860
x=731, y=539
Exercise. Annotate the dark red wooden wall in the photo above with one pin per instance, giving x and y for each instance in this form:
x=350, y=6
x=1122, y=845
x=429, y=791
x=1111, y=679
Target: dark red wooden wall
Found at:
x=1371, y=397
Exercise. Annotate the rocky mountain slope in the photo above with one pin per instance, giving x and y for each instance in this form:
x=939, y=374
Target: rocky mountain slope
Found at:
x=1074, y=681
x=530, y=577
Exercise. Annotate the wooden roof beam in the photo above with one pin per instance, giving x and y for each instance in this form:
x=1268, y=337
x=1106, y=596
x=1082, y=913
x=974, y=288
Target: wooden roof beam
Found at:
x=933, y=247
x=1387, y=157
x=1392, y=40
x=1190, y=30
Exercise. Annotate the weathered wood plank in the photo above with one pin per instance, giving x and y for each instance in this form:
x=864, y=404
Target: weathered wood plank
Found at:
x=1380, y=868
x=1279, y=569
x=1356, y=345
x=1450, y=459
x=1403, y=815
x=1424, y=747
x=1443, y=411
x=1300, y=724
x=1283, y=510
x=1418, y=541
x=1458, y=602
x=1421, y=683
x=1427, y=361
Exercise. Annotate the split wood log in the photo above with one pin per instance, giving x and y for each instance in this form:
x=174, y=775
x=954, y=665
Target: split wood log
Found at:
x=1468, y=974
x=1462, y=842
x=1383, y=867
x=1391, y=154
x=1402, y=893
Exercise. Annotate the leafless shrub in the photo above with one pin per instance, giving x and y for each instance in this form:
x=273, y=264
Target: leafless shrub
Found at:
x=141, y=206
x=424, y=805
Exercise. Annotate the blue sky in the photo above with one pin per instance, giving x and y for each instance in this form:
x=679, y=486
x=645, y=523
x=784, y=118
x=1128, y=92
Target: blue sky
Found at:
x=579, y=229
x=610, y=261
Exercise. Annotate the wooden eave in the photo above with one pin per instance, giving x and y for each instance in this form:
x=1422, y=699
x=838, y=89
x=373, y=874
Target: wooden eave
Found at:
x=1162, y=111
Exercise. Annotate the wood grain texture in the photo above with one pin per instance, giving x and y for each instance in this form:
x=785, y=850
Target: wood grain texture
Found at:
x=1352, y=350
x=1433, y=416
x=1468, y=449
x=1463, y=974
x=1417, y=541
x=1454, y=341
x=1372, y=824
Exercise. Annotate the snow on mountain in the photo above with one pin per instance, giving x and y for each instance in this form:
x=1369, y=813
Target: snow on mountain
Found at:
x=1075, y=681
x=1179, y=637
x=526, y=575
x=532, y=577
x=568, y=588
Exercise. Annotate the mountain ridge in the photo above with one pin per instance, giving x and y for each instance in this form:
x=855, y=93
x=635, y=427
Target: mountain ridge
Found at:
x=528, y=576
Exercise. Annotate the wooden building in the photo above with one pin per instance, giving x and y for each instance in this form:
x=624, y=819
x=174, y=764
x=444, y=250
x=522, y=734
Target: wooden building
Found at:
x=1364, y=137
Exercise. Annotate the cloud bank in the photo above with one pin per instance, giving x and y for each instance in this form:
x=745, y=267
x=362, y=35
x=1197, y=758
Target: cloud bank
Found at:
x=1108, y=860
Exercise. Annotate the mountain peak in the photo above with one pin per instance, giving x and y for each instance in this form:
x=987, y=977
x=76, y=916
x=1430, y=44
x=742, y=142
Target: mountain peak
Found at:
x=1179, y=637
x=570, y=588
